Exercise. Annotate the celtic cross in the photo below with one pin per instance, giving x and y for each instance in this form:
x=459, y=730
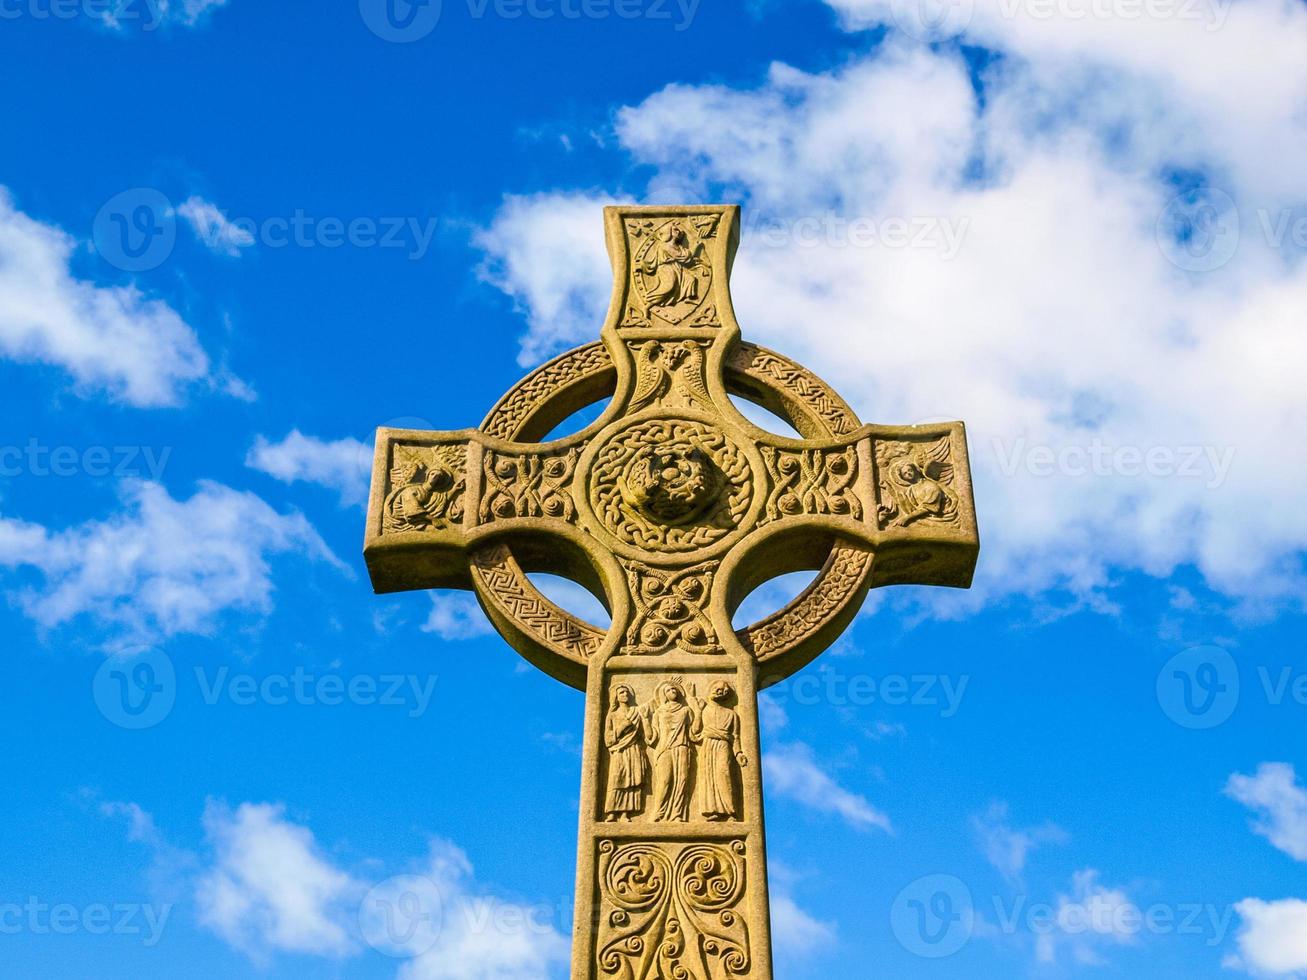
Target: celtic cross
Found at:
x=671, y=507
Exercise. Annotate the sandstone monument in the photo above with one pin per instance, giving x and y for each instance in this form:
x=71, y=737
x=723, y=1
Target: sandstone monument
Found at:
x=671, y=507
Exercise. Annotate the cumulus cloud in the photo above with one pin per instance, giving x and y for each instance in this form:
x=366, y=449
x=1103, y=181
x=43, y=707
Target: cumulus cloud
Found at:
x=343, y=465
x=269, y=887
x=1280, y=804
x=456, y=616
x=1273, y=937
x=161, y=566
x=1091, y=917
x=111, y=339
x=796, y=933
x=791, y=771
x=1007, y=847
x=1019, y=261
x=213, y=228
x=483, y=936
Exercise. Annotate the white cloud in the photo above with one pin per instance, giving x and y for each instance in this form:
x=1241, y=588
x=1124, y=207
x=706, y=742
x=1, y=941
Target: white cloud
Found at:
x=547, y=253
x=161, y=566
x=154, y=13
x=1006, y=847
x=484, y=937
x=213, y=228
x=1090, y=917
x=1273, y=938
x=456, y=616
x=343, y=465
x=794, y=931
x=191, y=12
x=1280, y=803
x=790, y=771
x=1061, y=323
x=796, y=934
x=108, y=338
x=270, y=888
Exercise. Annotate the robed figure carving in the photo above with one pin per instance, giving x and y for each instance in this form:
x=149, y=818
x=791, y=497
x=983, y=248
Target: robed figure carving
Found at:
x=625, y=732
x=672, y=732
x=720, y=737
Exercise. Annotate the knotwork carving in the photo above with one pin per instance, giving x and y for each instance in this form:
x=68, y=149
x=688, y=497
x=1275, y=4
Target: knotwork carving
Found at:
x=915, y=483
x=840, y=580
x=670, y=485
x=528, y=485
x=799, y=384
x=669, y=610
x=514, y=409
x=498, y=576
x=812, y=481
x=426, y=488
x=673, y=910
x=671, y=277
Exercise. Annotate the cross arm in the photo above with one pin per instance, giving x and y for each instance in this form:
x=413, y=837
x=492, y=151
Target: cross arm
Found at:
x=903, y=492
x=439, y=497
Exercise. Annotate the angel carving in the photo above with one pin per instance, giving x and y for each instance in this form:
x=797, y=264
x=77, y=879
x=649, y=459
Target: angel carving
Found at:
x=914, y=483
x=672, y=273
x=425, y=495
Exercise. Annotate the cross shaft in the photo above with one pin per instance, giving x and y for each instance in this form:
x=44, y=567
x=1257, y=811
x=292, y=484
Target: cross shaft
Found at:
x=671, y=508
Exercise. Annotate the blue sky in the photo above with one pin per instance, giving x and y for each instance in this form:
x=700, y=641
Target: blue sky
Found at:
x=235, y=237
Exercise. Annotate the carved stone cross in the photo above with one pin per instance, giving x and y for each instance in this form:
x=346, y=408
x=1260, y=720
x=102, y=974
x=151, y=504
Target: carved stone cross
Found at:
x=671, y=508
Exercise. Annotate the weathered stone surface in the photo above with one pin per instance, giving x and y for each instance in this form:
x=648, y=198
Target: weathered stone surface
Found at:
x=671, y=507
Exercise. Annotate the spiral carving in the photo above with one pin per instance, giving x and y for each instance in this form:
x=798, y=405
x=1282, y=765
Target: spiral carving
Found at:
x=673, y=910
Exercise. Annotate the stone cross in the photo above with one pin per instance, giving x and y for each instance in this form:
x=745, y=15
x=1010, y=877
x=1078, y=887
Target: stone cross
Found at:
x=671, y=507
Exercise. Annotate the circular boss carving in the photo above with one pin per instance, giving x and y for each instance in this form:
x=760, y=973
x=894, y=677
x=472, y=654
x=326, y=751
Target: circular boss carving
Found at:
x=670, y=485
x=818, y=411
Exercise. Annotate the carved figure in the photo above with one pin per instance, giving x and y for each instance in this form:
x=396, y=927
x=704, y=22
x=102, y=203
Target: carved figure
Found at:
x=720, y=737
x=673, y=726
x=625, y=733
